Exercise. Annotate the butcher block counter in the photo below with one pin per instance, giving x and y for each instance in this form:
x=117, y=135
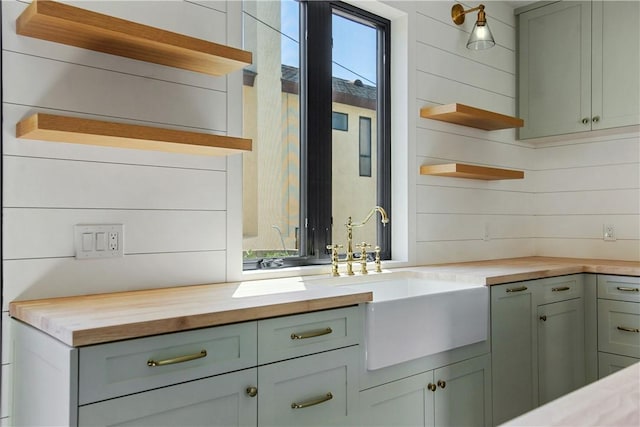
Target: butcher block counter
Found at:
x=92, y=319
x=496, y=272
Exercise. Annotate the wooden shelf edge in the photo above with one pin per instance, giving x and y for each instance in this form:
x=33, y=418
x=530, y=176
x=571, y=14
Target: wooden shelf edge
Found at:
x=54, y=128
x=461, y=170
x=62, y=23
x=470, y=116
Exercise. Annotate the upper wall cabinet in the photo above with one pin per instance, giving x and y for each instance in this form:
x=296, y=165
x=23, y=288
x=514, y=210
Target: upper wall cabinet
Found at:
x=579, y=64
x=78, y=27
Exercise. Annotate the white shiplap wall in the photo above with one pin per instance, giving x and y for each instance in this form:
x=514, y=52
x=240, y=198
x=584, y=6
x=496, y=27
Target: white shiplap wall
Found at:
x=181, y=213
x=452, y=214
x=580, y=185
x=174, y=207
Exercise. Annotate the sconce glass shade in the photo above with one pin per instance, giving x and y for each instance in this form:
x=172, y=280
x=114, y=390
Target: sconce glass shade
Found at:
x=481, y=37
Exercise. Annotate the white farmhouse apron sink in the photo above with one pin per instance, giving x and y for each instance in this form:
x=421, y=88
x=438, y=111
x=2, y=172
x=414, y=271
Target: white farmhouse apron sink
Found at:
x=412, y=317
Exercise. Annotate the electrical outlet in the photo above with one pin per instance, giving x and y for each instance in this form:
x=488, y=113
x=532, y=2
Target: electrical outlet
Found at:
x=609, y=232
x=113, y=241
x=99, y=240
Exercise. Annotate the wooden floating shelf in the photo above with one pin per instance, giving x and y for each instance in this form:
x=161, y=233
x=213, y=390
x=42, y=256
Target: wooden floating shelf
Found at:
x=48, y=127
x=470, y=116
x=78, y=27
x=461, y=170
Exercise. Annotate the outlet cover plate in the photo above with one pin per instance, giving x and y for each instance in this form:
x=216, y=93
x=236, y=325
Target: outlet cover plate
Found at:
x=609, y=232
x=99, y=241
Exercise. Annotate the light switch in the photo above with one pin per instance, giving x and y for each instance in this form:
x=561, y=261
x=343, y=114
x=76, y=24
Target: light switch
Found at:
x=87, y=241
x=101, y=241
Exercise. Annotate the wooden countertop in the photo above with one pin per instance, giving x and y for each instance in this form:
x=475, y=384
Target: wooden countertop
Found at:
x=496, y=272
x=92, y=319
x=612, y=401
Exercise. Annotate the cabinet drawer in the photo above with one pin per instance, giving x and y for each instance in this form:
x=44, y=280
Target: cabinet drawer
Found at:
x=561, y=288
x=316, y=390
x=125, y=367
x=610, y=363
x=219, y=401
x=619, y=327
x=619, y=288
x=283, y=338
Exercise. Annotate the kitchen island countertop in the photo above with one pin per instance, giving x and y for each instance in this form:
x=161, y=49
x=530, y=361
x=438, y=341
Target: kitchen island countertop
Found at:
x=612, y=401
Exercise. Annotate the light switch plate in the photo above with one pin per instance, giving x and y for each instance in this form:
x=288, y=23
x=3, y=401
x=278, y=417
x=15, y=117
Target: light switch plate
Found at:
x=99, y=241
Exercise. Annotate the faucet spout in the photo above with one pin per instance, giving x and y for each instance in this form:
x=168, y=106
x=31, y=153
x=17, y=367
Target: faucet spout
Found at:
x=384, y=218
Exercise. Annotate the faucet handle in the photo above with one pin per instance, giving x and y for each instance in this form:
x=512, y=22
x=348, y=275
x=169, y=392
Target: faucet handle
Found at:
x=363, y=256
x=363, y=246
x=377, y=259
x=334, y=259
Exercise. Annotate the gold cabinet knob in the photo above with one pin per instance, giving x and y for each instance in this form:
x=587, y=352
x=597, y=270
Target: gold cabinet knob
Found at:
x=431, y=386
x=442, y=384
x=585, y=121
x=596, y=119
x=252, y=391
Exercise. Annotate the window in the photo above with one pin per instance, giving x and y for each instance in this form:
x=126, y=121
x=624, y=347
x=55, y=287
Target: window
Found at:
x=340, y=121
x=365, y=146
x=309, y=170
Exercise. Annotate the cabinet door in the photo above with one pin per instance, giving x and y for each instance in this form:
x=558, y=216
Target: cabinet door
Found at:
x=463, y=396
x=555, y=69
x=512, y=344
x=561, y=365
x=321, y=389
x=406, y=402
x=616, y=64
x=216, y=401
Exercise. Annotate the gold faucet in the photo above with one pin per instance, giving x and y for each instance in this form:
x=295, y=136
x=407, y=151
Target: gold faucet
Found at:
x=384, y=218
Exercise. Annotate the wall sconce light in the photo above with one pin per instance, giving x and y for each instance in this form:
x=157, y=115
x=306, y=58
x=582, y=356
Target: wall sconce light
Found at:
x=481, y=37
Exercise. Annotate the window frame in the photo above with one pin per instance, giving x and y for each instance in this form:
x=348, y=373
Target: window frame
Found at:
x=314, y=231
x=362, y=153
x=315, y=154
x=343, y=116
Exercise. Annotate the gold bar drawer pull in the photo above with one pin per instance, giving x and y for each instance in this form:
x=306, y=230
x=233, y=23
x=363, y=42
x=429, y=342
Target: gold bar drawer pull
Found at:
x=179, y=359
x=560, y=289
x=311, y=334
x=312, y=402
x=627, y=289
x=628, y=329
x=518, y=289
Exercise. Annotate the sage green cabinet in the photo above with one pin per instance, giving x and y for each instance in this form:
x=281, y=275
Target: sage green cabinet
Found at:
x=578, y=67
x=618, y=323
x=512, y=350
x=455, y=395
x=463, y=396
x=298, y=370
x=610, y=363
x=216, y=401
x=538, y=345
x=315, y=390
x=561, y=352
